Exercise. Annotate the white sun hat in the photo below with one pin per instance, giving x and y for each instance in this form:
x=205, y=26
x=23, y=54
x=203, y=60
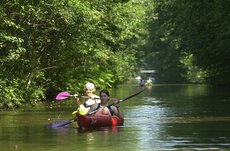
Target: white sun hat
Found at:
x=89, y=86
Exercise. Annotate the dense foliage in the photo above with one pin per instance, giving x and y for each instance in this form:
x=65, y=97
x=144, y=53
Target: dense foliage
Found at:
x=189, y=41
x=49, y=46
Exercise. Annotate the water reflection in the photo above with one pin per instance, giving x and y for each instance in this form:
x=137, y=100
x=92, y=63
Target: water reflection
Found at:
x=163, y=117
x=184, y=116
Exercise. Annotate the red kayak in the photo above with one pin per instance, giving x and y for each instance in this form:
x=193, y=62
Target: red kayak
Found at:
x=98, y=120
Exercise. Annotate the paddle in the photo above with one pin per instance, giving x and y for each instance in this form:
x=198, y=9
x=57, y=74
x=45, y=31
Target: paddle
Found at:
x=119, y=101
x=65, y=95
x=129, y=97
x=59, y=124
x=63, y=124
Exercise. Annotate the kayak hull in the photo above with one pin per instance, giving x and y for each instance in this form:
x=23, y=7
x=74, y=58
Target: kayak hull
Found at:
x=98, y=120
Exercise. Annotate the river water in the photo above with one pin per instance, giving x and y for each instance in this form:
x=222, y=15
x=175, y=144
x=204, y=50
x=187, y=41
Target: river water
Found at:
x=163, y=117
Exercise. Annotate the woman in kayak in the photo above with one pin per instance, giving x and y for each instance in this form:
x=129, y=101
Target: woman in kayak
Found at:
x=105, y=108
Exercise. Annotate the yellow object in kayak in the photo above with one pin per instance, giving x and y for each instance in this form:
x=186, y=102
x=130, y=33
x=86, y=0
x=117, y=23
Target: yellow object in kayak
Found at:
x=82, y=110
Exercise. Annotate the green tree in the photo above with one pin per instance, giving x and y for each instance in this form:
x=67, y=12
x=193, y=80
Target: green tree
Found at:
x=49, y=46
x=195, y=36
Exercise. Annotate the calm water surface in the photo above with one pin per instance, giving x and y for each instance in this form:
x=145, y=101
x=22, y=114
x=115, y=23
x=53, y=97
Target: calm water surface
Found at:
x=163, y=117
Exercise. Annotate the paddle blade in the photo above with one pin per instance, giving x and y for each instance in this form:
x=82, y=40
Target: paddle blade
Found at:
x=59, y=124
x=63, y=96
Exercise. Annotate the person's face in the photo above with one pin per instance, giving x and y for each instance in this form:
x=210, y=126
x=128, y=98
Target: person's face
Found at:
x=89, y=91
x=104, y=97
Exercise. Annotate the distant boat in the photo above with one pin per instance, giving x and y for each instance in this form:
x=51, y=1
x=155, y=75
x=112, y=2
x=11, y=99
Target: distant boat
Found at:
x=149, y=82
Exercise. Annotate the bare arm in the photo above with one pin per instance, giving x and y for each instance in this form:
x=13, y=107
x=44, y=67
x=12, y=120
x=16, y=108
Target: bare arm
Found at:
x=117, y=112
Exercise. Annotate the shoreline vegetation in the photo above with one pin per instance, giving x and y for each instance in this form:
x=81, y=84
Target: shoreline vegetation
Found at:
x=50, y=46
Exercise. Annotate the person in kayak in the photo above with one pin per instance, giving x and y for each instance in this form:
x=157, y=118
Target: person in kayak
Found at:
x=105, y=108
x=90, y=99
